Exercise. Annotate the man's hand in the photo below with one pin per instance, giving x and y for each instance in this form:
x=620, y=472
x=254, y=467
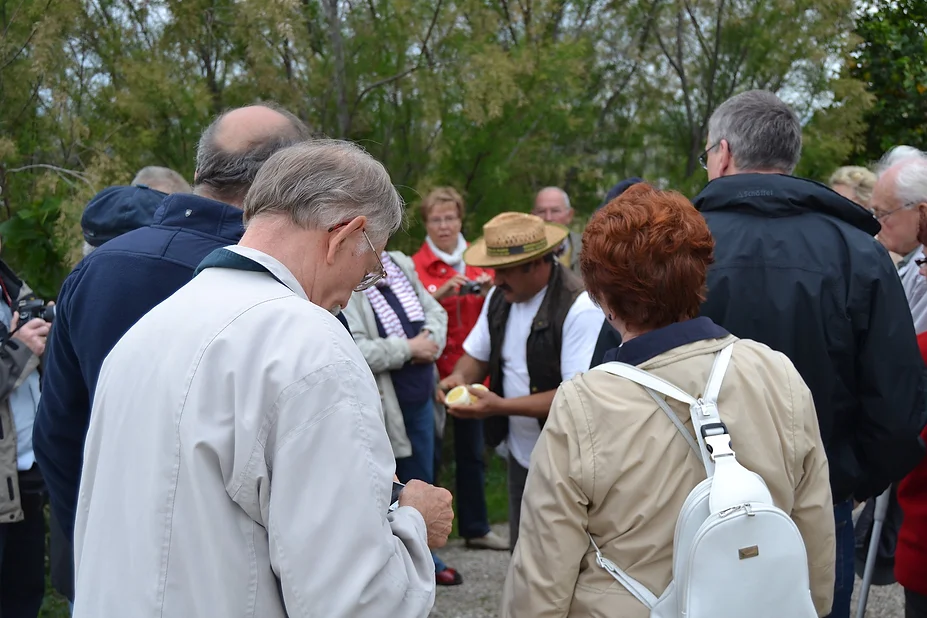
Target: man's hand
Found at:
x=483, y=403
x=444, y=386
x=34, y=333
x=423, y=349
x=434, y=503
x=451, y=286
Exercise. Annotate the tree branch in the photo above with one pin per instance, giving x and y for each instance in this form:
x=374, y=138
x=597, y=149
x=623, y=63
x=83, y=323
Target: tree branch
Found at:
x=58, y=170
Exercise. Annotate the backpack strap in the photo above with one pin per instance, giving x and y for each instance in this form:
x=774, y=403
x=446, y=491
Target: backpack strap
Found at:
x=704, y=412
x=630, y=584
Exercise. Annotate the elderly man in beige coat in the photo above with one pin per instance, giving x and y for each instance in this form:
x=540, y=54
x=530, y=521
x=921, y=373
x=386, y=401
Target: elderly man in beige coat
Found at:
x=236, y=463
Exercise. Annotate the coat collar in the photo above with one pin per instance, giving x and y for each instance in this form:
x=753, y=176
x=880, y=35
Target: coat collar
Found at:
x=649, y=345
x=245, y=258
x=192, y=212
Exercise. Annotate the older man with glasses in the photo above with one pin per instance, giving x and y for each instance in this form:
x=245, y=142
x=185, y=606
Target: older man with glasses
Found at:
x=253, y=475
x=900, y=189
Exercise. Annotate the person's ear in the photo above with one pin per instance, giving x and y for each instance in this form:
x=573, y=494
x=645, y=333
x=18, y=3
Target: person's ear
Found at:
x=340, y=235
x=725, y=159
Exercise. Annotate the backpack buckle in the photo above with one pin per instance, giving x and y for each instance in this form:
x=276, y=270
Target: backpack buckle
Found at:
x=717, y=440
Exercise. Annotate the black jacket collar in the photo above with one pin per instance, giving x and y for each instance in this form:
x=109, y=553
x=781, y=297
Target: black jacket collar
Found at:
x=779, y=195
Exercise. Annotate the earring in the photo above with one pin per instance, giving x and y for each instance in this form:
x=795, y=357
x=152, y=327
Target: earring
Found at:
x=610, y=317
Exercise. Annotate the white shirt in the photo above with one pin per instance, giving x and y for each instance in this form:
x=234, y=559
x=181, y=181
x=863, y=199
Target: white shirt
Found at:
x=580, y=333
x=915, y=290
x=237, y=466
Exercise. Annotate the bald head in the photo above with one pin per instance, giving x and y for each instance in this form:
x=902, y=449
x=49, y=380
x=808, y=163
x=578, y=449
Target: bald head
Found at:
x=553, y=205
x=234, y=147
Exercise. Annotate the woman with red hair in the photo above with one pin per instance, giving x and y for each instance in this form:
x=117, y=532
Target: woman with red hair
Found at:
x=611, y=464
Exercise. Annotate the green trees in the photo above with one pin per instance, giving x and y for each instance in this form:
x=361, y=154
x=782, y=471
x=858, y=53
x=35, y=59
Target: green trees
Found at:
x=495, y=97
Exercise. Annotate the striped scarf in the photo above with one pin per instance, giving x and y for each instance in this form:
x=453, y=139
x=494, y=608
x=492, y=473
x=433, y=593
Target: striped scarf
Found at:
x=404, y=291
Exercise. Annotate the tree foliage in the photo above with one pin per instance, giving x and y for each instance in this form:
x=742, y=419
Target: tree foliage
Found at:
x=890, y=61
x=495, y=97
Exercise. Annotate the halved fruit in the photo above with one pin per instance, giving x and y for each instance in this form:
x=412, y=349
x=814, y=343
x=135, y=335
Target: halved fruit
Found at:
x=458, y=396
x=479, y=387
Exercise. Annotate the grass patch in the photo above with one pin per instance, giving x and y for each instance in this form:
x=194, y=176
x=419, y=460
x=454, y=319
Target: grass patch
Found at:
x=497, y=493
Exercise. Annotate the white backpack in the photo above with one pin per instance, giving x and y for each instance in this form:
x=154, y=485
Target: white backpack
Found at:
x=734, y=553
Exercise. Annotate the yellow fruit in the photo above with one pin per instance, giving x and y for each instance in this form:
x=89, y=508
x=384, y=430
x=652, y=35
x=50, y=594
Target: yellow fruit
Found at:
x=479, y=387
x=458, y=396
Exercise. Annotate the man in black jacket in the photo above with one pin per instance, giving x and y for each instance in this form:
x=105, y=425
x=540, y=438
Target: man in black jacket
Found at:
x=797, y=268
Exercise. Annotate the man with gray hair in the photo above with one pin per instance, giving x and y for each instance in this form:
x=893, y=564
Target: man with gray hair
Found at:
x=553, y=205
x=253, y=477
x=797, y=267
x=161, y=179
x=122, y=280
x=900, y=189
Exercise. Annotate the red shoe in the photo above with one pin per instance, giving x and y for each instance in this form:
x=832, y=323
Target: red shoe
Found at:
x=448, y=577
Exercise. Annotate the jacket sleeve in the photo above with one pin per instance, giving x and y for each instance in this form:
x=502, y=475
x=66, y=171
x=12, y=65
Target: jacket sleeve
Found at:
x=891, y=386
x=812, y=511
x=16, y=362
x=63, y=415
x=381, y=353
x=554, y=521
x=365, y=563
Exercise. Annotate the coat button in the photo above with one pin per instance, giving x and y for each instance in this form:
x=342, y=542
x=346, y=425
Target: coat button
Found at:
x=443, y=271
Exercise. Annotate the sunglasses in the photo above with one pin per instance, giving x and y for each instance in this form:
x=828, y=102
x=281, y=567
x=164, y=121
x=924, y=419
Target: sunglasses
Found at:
x=371, y=278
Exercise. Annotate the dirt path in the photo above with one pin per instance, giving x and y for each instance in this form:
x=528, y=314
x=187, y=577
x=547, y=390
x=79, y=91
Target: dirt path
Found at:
x=484, y=574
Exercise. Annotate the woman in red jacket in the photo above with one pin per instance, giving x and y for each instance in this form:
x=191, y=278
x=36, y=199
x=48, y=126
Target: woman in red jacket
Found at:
x=461, y=290
x=911, y=551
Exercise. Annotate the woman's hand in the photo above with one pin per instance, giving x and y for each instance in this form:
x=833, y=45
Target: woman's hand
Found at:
x=485, y=282
x=451, y=286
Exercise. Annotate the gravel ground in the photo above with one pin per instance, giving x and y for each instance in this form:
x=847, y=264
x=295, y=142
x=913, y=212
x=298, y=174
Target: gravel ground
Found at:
x=484, y=574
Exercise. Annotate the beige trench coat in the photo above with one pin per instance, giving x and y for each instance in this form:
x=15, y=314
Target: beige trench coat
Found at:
x=610, y=462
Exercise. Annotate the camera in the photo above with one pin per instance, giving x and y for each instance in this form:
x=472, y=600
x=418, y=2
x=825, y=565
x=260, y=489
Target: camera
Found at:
x=35, y=308
x=470, y=287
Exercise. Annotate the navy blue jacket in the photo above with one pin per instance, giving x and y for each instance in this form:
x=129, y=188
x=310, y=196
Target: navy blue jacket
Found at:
x=101, y=299
x=797, y=268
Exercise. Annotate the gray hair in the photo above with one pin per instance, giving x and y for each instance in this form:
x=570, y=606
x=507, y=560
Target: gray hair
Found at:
x=87, y=249
x=161, y=179
x=321, y=183
x=911, y=180
x=563, y=194
x=228, y=175
x=763, y=132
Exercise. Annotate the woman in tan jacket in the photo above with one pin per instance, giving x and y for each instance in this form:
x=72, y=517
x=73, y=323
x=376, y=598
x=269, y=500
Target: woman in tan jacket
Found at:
x=609, y=461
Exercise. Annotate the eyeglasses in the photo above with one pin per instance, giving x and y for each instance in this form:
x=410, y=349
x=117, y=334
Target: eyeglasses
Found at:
x=439, y=221
x=886, y=215
x=369, y=279
x=703, y=158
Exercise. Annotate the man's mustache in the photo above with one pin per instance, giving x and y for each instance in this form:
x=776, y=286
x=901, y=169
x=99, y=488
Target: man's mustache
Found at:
x=504, y=287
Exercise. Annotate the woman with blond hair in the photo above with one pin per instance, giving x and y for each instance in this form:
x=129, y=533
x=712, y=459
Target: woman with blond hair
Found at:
x=611, y=465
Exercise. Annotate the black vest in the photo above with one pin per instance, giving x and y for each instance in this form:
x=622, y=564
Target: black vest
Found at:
x=542, y=347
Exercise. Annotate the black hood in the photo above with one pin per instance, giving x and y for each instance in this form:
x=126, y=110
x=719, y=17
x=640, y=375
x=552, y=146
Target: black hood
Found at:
x=779, y=195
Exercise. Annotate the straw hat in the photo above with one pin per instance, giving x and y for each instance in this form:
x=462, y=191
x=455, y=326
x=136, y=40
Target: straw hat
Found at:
x=514, y=238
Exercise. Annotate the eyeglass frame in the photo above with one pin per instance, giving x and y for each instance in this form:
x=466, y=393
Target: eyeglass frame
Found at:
x=443, y=220
x=886, y=215
x=371, y=278
x=703, y=158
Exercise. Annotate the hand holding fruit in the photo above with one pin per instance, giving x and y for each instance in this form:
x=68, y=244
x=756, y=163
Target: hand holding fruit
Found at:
x=473, y=401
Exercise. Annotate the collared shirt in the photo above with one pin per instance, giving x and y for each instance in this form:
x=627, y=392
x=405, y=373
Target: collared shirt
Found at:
x=915, y=288
x=644, y=347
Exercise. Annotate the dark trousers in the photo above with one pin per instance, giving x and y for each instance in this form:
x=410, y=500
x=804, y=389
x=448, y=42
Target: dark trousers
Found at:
x=845, y=567
x=470, y=478
x=419, y=420
x=915, y=605
x=517, y=476
x=22, y=557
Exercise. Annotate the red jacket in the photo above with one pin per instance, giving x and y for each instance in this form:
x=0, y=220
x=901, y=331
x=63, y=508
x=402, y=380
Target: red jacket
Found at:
x=911, y=553
x=462, y=311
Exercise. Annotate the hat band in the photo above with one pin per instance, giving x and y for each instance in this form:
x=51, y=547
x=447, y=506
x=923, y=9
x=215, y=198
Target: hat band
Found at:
x=517, y=249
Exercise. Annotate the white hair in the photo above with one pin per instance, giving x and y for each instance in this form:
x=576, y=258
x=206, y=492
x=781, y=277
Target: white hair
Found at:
x=911, y=179
x=563, y=194
x=87, y=249
x=161, y=179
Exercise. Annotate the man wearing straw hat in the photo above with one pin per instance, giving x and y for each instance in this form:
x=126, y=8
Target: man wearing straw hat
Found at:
x=538, y=327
